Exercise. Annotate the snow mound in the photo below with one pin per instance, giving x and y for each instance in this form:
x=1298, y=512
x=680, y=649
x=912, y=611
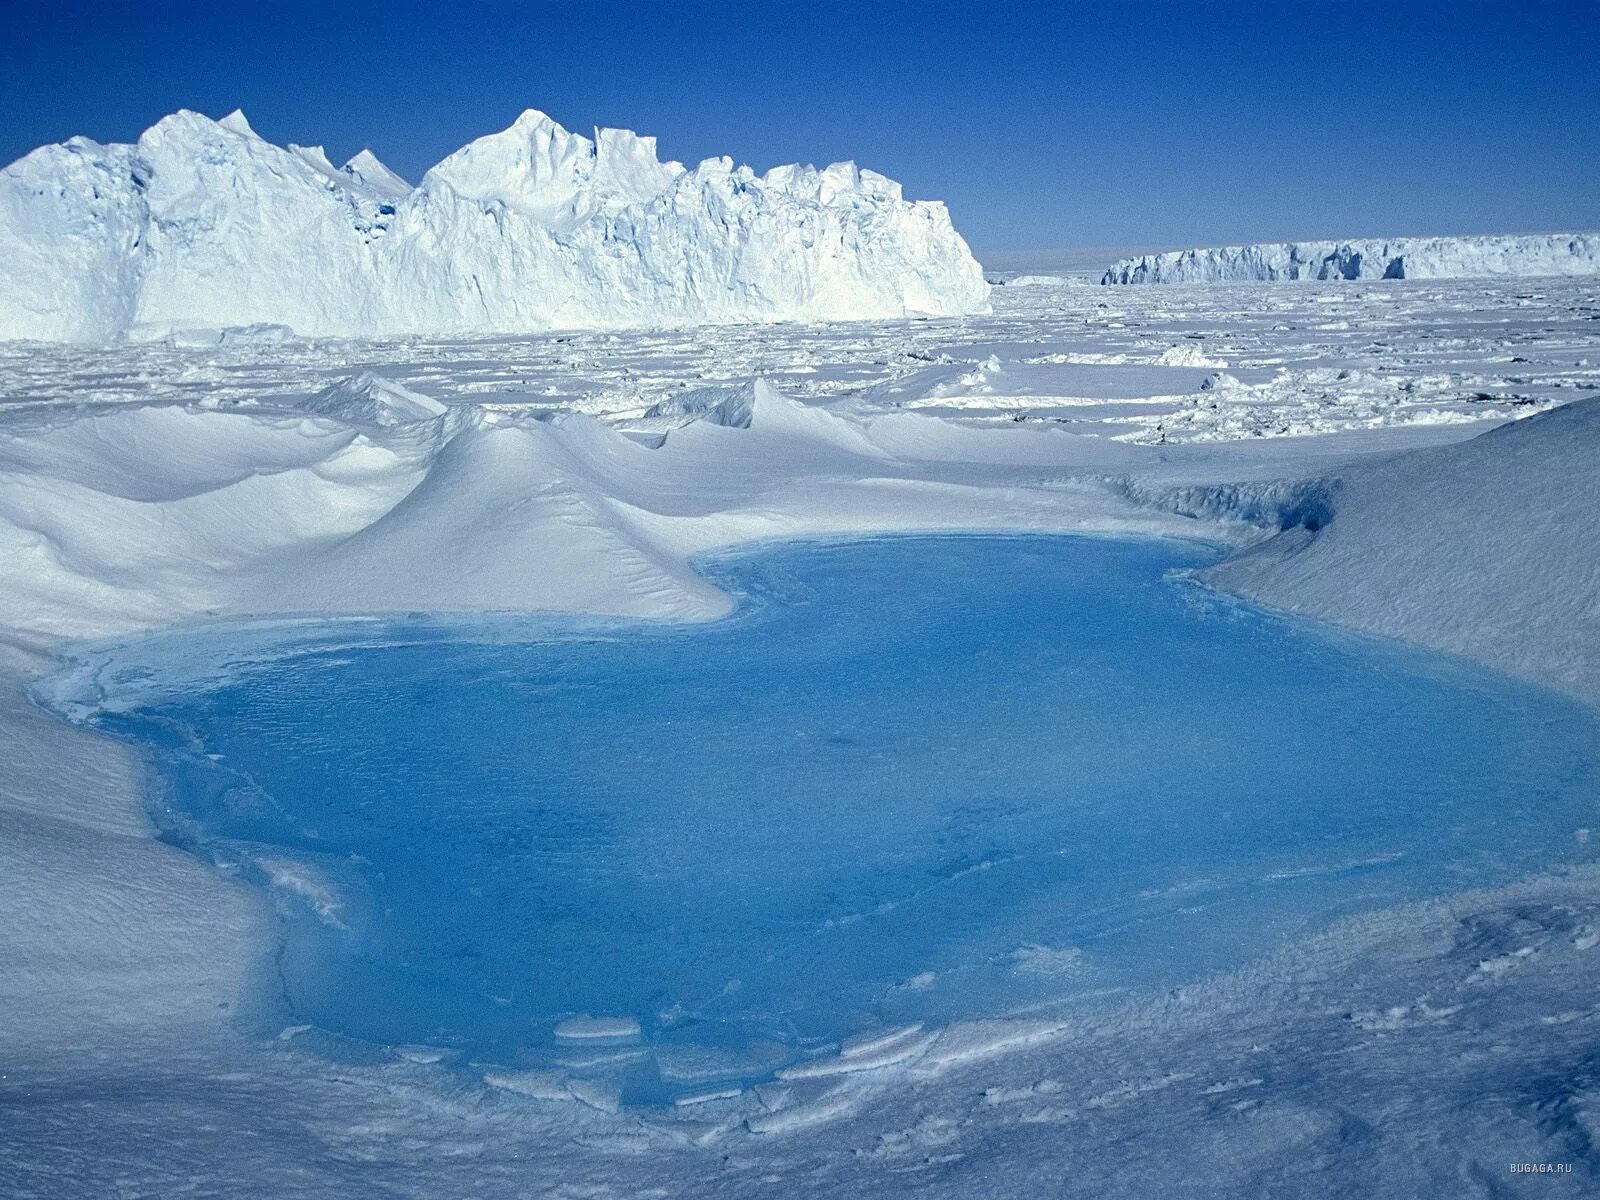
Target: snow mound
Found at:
x=1187, y=354
x=1487, y=548
x=729, y=404
x=368, y=399
x=369, y=173
x=784, y=425
x=1373, y=258
x=203, y=224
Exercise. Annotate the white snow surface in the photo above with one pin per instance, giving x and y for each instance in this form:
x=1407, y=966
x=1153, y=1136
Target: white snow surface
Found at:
x=370, y=399
x=204, y=224
x=1369, y=258
x=1359, y=457
x=1503, y=525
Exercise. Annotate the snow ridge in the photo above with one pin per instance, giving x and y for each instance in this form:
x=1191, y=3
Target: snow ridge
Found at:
x=203, y=223
x=1373, y=258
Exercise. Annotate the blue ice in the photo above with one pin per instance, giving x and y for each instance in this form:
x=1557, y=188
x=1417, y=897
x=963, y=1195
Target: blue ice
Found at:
x=912, y=779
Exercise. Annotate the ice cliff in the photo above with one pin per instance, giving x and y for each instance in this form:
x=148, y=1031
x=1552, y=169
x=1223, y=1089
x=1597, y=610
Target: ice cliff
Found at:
x=1376, y=258
x=205, y=224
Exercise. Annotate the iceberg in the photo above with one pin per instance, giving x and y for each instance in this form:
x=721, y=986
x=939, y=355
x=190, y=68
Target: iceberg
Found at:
x=204, y=224
x=1373, y=258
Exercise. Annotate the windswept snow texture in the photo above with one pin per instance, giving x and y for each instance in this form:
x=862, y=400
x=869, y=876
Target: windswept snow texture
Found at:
x=1372, y=258
x=1023, y=771
x=1361, y=561
x=204, y=224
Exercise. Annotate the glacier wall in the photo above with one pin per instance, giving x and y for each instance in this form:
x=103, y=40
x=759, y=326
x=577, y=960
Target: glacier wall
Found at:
x=203, y=223
x=1373, y=258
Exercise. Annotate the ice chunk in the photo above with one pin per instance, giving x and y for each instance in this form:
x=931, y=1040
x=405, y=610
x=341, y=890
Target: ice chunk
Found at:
x=425, y=1056
x=694, y=1098
x=827, y=1107
x=606, y=1097
x=691, y=1063
x=868, y=1055
x=537, y=1085
x=584, y=1028
x=967, y=1040
x=877, y=1041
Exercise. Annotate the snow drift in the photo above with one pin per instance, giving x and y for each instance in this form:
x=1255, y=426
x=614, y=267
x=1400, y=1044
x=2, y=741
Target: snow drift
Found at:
x=1487, y=548
x=204, y=224
x=369, y=497
x=1376, y=258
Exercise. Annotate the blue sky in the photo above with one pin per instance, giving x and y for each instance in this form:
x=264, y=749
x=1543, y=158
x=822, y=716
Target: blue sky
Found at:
x=1041, y=125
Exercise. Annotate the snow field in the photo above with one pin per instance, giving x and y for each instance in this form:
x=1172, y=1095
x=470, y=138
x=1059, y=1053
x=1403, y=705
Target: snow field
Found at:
x=161, y=482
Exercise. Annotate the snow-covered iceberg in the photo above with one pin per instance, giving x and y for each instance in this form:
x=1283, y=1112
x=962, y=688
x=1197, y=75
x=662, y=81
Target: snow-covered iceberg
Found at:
x=203, y=223
x=1373, y=258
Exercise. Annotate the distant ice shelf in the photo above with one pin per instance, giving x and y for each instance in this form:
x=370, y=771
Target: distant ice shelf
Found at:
x=203, y=224
x=1372, y=258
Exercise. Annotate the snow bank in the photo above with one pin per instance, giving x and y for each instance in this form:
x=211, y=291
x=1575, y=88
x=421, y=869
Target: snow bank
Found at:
x=203, y=224
x=100, y=916
x=366, y=498
x=1373, y=258
x=1487, y=548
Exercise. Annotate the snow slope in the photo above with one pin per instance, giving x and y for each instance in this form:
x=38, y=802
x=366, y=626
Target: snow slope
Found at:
x=1371, y=258
x=204, y=224
x=1487, y=548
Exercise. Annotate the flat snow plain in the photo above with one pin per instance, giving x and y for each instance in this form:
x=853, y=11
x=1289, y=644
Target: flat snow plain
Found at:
x=1327, y=435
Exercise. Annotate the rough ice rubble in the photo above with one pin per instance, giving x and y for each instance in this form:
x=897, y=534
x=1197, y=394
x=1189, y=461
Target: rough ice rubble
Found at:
x=202, y=223
x=730, y=404
x=1372, y=258
x=1318, y=400
x=1363, y=357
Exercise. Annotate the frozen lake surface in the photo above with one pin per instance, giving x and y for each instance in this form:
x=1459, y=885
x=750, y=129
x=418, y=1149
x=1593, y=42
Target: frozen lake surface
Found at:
x=913, y=779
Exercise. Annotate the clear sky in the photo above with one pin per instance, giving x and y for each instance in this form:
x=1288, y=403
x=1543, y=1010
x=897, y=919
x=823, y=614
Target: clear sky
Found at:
x=1042, y=125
